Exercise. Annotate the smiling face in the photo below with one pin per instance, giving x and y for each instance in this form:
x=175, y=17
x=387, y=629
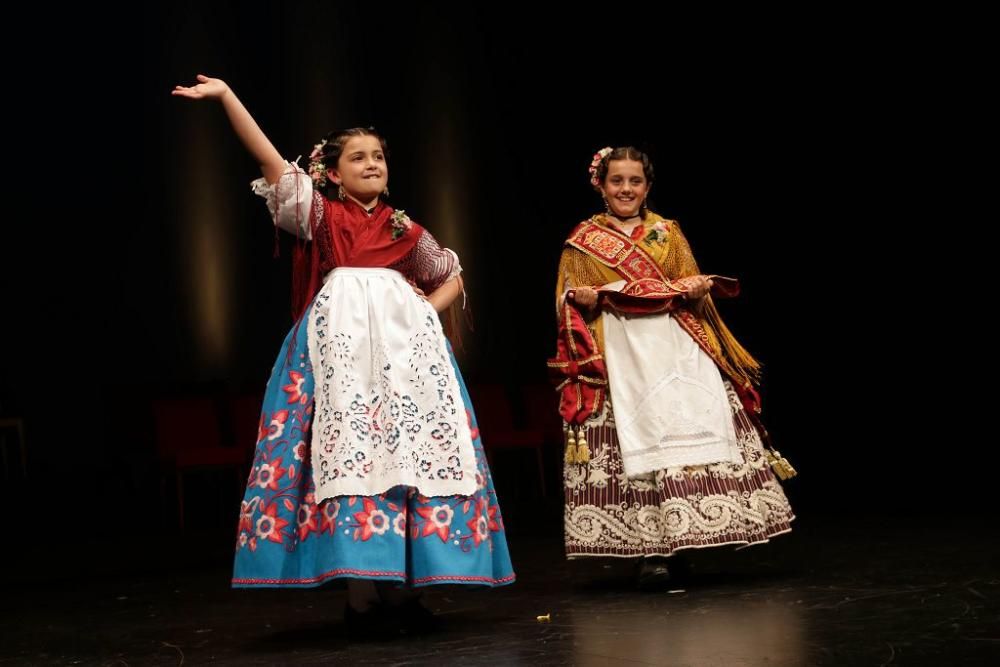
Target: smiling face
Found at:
x=362, y=168
x=625, y=187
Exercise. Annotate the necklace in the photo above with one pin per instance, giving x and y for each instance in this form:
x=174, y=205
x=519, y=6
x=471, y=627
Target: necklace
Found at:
x=624, y=218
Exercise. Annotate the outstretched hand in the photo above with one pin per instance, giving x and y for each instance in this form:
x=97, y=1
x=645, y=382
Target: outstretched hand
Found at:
x=207, y=88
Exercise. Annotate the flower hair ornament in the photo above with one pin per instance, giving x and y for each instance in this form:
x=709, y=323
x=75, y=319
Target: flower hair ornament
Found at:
x=317, y=168
x=595, y=163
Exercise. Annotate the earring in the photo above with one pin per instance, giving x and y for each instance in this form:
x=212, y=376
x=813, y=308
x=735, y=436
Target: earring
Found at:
x=341, y=194
x=607, y=206
x=385, y=193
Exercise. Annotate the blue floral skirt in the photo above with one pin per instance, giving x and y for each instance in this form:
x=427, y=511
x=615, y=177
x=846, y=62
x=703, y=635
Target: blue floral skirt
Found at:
x=287, y=539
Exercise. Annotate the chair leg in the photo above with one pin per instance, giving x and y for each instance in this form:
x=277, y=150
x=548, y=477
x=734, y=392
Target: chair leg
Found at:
x=3, y=454
x=163, y=499
x=180, y=500
x=24, y=448
x=541, y=471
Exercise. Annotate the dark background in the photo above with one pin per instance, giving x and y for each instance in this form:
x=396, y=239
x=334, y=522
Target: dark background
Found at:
x=808, y=161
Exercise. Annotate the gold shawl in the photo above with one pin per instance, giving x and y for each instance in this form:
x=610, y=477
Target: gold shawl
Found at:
x=673, y=254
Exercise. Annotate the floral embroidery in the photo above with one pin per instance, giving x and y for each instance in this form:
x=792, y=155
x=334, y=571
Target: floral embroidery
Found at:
x=269, y=473
x=330, y=509
x=270, y=525
x=280, y=516
x=308, y=520
x=294, y=388
x=438, y=521
x=399, y=524
x=370, y=521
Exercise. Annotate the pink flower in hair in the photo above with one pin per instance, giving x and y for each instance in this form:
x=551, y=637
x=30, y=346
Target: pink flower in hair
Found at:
x=596, y=162
x=317, y=168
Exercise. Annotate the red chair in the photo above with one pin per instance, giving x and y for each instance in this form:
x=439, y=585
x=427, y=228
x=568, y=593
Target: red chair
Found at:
x=244, y=420
x=541, y=408
x=188, y=437
x=496, y=425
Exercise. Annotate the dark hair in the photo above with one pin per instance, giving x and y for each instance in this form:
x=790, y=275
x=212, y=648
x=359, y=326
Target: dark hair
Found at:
x=626, y=153
x=334, y=148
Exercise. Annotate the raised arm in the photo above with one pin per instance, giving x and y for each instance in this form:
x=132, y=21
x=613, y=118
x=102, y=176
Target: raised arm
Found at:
x=253, y=138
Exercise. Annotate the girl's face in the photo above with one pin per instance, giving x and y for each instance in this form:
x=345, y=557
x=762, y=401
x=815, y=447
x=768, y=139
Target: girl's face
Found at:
x=361, y=169
x=625, y=187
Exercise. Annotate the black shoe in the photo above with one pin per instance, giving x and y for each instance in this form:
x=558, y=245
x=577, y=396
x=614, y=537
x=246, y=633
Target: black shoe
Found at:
x=681, y=570
x=659, y=572
x=654, y=574
x=414, y=618
x=370, y=624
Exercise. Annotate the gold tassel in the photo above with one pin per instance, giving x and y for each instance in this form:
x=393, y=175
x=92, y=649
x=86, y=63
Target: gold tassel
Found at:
x=782, y=468
x=582, y=450
x=570, y=446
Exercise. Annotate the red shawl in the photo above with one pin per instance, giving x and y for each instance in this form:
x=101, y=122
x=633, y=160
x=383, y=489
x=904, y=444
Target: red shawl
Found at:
x=345, y=235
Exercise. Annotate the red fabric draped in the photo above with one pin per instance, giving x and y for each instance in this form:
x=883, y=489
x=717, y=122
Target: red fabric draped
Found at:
x=578, y=369
x=352, y=238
